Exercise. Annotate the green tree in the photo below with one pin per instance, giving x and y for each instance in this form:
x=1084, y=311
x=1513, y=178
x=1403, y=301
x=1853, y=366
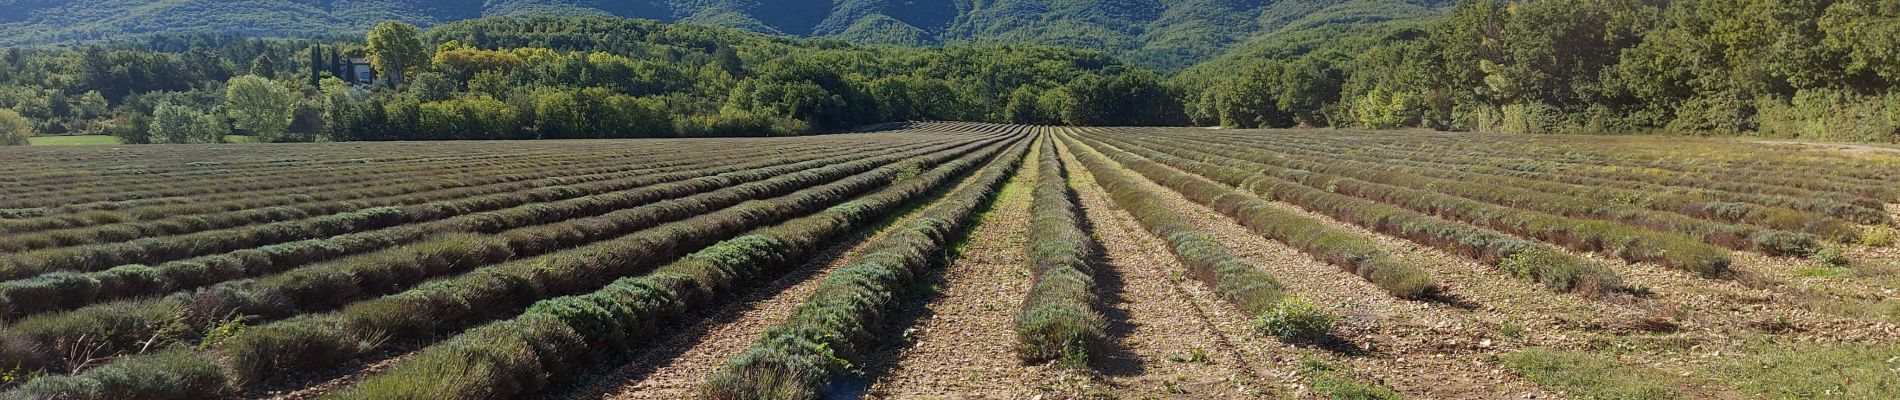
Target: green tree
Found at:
x=432, y=86
x=1868, y=33
x=93, y=104
x=893, y=97
x=727, y=59
x=816, y=95
x=211, y=128
x=173, y=123
x=264, y=65
x=492, y=83
x=260, y=106
x=343, y=115
x=1023, y=107
x=479, y=118
x=561, y=115
x=628, y=117
x=395, y=47
x=1252, y=100
x=1309, y=88
x=15, y=130
x=134, y=129
x=180, y=124
x=1129, y=98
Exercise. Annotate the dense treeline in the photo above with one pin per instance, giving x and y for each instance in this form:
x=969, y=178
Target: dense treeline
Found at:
x=553, y=78
x=1820, y=69
x=1811, y=69
x=1167, y=34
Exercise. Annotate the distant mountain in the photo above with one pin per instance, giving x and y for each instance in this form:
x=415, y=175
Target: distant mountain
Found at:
x=1166, y=34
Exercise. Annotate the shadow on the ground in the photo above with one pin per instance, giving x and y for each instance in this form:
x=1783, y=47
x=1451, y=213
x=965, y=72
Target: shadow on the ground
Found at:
x=1117, y=359
x=1451, y=299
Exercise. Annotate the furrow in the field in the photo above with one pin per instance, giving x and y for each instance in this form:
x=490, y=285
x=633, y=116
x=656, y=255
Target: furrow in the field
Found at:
x=159, y=249
x=1467, y=284
x=1560, y=153
x=677, y=366
x=1715, y=303
x=1611, y=176
x=263, y=179
x=571, y=337
x=426, y=179
x=383, y=194
x=202, y=163
x=215, y=215
x=1628, y=243
x=1480, y=153
x=1348, y=251
x=963, y=341
x=322, y=340
x=304, y=189
x=1473, y=197
x=1061, y=315
x=1700, y=314
x=71, y=290
x=1600, y=200
x=1694, y=201
x=1591, y=155
x=352, y=173
x=1167, y=334
x=542, y=154
x=320, y=289
x=558, y=162
x=1527, y=259
x=290, y=188
x=842, y=322
x=676, y=238
x=89, y=175
x=304, y=155
x=1424, y=349
x=1826, y=206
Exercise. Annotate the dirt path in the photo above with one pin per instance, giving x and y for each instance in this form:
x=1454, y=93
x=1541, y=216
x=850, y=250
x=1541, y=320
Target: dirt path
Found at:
x=1161, y=321
x=963, y=345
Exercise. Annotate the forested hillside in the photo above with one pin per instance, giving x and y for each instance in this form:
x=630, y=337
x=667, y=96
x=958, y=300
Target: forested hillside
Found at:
x=547, y=78
x=1810, y=69
x=1166, y=34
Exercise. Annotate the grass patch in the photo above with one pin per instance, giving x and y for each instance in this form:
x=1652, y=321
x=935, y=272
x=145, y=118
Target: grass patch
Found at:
x=75, y=140
x=1328, y=380
x=1879, y=236
x=1879, y=309
x=1295, y=319
x=1812, y=370
x=1589, y=376
x=1879, y=273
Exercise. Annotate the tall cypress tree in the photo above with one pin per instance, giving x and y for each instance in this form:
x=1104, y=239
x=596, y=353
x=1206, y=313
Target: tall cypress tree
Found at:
x=336, y=66
x=316, y=64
